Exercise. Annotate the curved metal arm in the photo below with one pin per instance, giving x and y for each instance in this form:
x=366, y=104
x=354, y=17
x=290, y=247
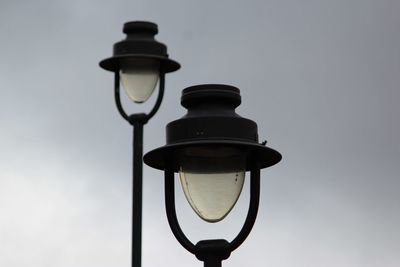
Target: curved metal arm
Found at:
x=137, y=121
x=171, y=212
x=117, y=97
x=138, y=117
x=159, y=97
x=253, y=209
x=247, y=226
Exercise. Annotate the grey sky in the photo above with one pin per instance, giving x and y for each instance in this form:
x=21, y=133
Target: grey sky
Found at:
x=321, y=79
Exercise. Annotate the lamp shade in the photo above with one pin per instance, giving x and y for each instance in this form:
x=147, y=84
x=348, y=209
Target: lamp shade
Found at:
x=211, y=148
x=139, y=60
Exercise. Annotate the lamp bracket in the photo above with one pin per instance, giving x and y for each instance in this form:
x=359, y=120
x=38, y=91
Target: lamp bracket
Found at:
x=138, y=118
x=212, y=252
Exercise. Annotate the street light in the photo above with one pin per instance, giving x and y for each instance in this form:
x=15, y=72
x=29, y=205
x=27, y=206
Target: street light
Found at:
x=139, y=62
x=211, y=148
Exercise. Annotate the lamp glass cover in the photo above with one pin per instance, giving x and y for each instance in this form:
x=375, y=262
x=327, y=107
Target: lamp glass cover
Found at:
x=212, y=179
x=139, y=79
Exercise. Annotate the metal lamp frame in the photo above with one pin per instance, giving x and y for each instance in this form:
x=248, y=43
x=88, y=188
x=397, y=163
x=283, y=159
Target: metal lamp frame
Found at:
x=137, y=120
x=139, y=44
x=211, y=121
x=212, y=252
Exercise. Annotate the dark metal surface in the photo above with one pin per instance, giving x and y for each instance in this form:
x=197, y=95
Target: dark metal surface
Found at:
x=211, y=120
x=211, y=115
x=117, y=97
x=212, y=252
x=136, y=51
x=137, y=121
x=139, y=44
x=160, y=96
x=210, y=93
x=157, y=158
x=169, y=184
x=252, y=212
x=211, y=133
x=137, y=185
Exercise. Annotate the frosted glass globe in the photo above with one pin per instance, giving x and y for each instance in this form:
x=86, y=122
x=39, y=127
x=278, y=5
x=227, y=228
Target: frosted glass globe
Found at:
x=212, y=178
x=139, y=81
x=212, y=196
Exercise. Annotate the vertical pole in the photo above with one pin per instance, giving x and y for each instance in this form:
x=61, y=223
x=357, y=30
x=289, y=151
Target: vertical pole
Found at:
x=137, y=194
x=212, y=262
x=137, y=121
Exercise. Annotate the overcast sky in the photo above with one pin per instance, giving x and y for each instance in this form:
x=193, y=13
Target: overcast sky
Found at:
x=321, y=79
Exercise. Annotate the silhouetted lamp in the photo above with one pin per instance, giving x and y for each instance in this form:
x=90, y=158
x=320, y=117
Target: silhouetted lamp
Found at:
x=139, y=62
x=212, y=148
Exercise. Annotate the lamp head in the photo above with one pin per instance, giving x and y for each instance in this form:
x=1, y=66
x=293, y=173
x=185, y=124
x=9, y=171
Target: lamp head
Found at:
x=140, y=60
x=212, y=147
x=211, y=122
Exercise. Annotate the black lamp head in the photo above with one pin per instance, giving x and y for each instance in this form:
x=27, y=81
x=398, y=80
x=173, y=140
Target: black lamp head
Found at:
x=211, y=126
x=139, y=45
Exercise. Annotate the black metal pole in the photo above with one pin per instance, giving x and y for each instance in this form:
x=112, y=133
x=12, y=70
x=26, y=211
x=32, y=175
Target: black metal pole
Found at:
x=139, y=45
x=212, y=262
x=137, y=194
x=138, y=121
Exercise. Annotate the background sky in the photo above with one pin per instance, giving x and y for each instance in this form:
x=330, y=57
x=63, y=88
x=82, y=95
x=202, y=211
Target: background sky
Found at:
x=321, y=79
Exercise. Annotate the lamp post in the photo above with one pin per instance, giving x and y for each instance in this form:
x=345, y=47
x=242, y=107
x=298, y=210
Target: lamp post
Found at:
x=138, y=63
x=212, y=148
